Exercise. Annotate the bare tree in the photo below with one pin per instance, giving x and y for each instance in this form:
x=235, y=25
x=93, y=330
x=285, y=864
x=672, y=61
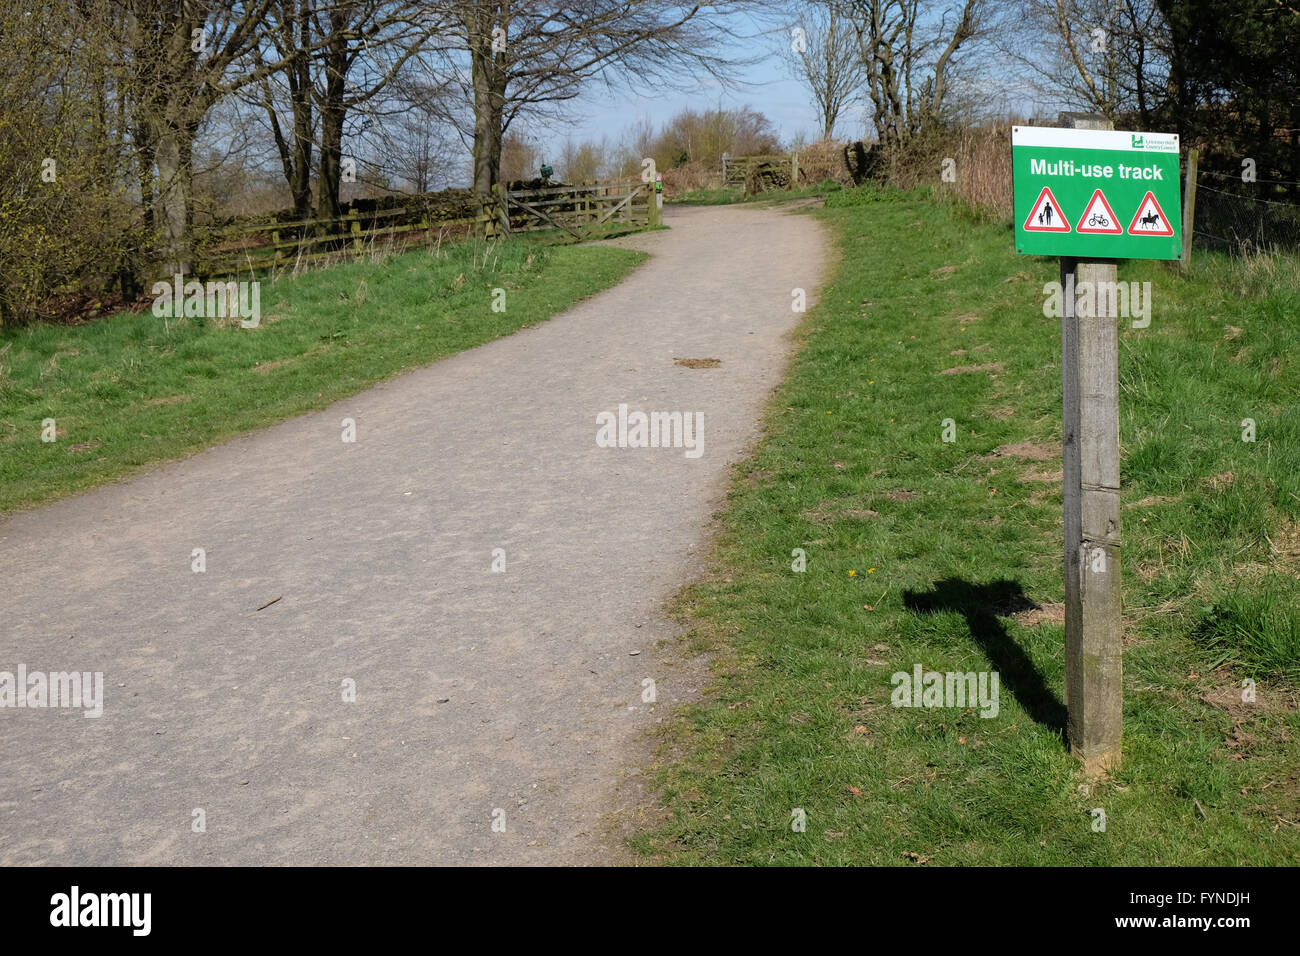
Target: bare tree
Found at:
x=1104, y=56
x=366, y=45
x=529, y=55
x=639, y=138
x=415, y=145
x=586, y=161
x=703, y=136
x=908, y=50
x=821, y=50
x=177, y=60
x=289, y=33
x=521, y=157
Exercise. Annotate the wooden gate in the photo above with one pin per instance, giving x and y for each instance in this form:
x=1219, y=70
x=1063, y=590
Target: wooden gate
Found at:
x=583, y=212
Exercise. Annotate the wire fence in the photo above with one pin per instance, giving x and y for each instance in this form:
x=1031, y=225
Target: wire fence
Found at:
x=1236, y=216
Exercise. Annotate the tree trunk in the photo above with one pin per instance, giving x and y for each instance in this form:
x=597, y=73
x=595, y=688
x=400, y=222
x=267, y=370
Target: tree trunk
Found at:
x=489, y=81
x=144, y=170
x=300, y=97
x=333, y=112
x=331, y=158
x=291, y=37
x=300, y=182
x=174, y=156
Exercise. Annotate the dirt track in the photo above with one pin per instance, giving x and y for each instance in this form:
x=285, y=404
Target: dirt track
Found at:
x=475, y=690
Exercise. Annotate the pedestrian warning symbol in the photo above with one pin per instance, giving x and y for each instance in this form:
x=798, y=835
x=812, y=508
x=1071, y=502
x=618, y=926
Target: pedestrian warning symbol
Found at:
x=1150, y=219
x=1045, y=215
x=1098, y=218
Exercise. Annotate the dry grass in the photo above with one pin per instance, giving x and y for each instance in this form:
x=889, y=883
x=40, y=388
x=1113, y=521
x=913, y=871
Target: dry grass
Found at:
x=1257, y=272
x=981, y=162
x=983, y=166
x=690, y=177
x=821, y=161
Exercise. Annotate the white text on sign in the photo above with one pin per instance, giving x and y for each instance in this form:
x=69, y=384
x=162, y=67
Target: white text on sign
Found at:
x=1068, y=167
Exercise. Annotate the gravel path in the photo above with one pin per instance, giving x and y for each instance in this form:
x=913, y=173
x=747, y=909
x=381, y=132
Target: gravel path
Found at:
x=475, y=691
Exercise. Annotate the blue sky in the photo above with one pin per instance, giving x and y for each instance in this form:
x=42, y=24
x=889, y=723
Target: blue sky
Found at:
x=765, y=86
x=783, y=101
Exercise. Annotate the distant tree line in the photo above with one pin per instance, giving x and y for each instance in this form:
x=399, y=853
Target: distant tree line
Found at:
x=114, y=112
x=124, y=124
x=1223, y=73
x=691, y=137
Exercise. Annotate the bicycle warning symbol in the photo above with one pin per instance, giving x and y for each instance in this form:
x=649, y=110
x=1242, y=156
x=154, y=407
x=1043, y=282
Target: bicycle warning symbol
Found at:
x=1098, y=218
x=1045, y=215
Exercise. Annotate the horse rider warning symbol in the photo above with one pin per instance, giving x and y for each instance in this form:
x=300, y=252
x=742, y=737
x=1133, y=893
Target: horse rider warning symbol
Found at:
x=1150, y=219
x=1045, y=215
x=1098, y=218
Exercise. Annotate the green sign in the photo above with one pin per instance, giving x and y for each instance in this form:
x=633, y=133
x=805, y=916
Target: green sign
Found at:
x=1096, y=194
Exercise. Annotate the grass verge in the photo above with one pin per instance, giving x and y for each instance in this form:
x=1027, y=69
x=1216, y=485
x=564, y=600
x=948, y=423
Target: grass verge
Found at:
x=948, y=555
x=132, y=390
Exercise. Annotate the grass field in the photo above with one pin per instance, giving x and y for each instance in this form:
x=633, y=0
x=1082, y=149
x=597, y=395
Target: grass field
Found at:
x=128, y=391
x=948, y=555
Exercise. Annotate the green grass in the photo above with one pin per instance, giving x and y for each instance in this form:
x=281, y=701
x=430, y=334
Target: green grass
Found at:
x=728, y=195
x=133, y=390
x=1258, y=633
x=925, y=552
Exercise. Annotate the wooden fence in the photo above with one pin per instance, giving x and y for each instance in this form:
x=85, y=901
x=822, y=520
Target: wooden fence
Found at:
x=575, y=212
x=585, y=211
x=258, y=246
x=736, y=170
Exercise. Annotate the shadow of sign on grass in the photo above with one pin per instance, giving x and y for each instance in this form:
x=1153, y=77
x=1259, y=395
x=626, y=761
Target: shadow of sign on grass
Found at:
x=982, y=605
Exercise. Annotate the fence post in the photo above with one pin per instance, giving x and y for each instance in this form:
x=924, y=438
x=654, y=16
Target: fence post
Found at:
x=486, y=220
x=1093, y=601
x=794, y=171
x=503, y=209
x=1189, y=205
x=655, y=204
x=355, y=228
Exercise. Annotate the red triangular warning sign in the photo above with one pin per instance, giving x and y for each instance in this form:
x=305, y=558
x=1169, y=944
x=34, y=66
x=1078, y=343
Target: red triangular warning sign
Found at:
x=1098, y=218
x=1045, y=215
x=1150, y=219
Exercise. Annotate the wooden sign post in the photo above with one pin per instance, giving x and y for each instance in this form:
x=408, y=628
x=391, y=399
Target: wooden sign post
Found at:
x=1094, y=624
x=1076, y=189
